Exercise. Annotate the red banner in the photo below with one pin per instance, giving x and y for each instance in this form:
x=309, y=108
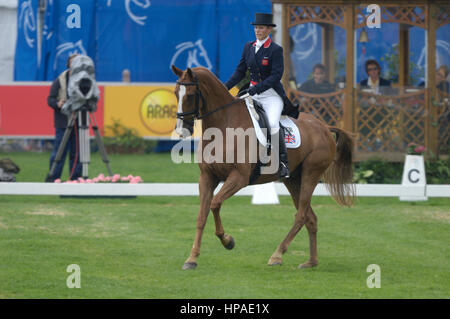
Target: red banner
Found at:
x=24, y=111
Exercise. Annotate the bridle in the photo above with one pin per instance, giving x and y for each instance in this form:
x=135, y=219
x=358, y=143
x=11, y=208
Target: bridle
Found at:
x=199, y=96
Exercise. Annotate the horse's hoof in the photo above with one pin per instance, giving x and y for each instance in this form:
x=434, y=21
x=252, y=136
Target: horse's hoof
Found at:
x=308, y=265
x=189, y=265
x=275, y=262
x=230, y=244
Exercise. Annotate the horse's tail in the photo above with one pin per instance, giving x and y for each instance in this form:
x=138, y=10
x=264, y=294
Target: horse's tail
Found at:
x=339, y=175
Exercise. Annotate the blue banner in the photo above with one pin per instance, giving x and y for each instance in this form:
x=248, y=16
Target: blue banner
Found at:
x=68, y=28
x=148, y=37
x=26, y=58
x=145, y=37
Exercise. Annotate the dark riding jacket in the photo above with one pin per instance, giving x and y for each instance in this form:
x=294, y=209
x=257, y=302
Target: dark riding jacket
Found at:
x=266, y=67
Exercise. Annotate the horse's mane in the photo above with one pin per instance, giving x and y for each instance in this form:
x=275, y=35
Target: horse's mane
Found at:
x=206, y=77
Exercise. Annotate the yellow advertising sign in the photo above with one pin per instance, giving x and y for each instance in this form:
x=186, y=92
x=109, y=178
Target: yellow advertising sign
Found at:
x=151, y=110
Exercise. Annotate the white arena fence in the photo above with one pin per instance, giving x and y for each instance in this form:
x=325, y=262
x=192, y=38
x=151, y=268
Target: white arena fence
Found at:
x=191, y=189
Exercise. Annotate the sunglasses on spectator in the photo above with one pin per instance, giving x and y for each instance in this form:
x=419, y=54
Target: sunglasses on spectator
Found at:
x=372, y=69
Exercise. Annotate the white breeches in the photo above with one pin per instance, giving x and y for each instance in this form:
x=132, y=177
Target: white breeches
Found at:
x=272, y=103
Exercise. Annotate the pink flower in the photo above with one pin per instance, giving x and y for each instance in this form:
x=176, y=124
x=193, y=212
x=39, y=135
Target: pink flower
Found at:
x=136, y=180
x=95, y=179
x=419, y=149
x=89, y=181
x=101, y=176
x=58, y=180
x=124, y=179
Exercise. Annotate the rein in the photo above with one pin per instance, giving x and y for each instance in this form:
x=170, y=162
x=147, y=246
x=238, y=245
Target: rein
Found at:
x=199, y=96
x=218, y=109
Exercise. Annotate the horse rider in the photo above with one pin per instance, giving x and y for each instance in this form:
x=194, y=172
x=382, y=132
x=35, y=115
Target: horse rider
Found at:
x=264, y=61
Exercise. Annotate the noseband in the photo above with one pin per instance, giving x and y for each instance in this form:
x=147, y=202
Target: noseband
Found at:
x=199, y=96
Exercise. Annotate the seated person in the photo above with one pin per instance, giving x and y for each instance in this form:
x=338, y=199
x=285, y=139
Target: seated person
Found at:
x=441, y=79
x=374, y=81
x=318, y=84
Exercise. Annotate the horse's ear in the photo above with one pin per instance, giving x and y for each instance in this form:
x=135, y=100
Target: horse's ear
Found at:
x=176, y=71
x=189, y=72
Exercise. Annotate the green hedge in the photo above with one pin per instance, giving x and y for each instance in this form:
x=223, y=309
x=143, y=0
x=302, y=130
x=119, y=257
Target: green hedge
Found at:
x=379, y=171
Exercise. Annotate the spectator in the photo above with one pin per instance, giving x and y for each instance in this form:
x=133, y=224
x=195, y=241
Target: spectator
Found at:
x=318, y=84
x=126, y=76
x=441, y=79
x=56, y=99
x=374, y=81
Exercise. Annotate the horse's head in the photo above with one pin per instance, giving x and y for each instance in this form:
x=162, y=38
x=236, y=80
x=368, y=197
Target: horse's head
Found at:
x=188, y=95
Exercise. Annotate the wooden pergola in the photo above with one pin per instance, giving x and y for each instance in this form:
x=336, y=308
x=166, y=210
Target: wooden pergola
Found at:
x=384, y=124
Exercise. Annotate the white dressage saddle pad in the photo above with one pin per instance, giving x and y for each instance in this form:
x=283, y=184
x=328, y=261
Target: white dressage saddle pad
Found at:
x=291, y=133
x=292, y=136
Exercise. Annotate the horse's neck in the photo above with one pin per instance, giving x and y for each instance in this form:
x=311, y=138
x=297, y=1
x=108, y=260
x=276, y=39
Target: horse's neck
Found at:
x=229, y=116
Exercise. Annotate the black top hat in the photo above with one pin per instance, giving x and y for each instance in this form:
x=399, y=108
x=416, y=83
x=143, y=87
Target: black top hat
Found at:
x=264, y=19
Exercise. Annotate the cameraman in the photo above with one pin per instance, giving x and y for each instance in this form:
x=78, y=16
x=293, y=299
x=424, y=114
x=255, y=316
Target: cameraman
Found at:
x=56, y=99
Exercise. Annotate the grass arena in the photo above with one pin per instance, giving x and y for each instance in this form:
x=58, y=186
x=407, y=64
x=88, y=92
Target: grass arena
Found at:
x=135, y=247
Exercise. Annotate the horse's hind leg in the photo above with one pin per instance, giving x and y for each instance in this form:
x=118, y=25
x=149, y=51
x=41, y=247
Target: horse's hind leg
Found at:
x=206, y=188
x=310, y=178
x=311, y=226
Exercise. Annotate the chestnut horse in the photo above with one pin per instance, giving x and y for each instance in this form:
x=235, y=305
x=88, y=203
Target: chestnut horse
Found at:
x=325, y=152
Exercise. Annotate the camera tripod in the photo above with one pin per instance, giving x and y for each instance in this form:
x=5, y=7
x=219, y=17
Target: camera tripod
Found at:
x=84, y=143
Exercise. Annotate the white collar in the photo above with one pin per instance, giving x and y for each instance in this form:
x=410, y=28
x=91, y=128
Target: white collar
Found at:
x=259, y=43
x=372, y=84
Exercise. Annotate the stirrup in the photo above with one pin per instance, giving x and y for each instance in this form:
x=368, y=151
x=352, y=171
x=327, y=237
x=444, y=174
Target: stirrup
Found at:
x=284, y=171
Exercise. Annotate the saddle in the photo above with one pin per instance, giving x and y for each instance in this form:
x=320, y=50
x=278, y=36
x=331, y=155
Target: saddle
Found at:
x=263, y=122
x=291, y=134
x=288, y=129
x=262, y=129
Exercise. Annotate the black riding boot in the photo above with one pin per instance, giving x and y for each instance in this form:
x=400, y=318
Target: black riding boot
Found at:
x=284, y=168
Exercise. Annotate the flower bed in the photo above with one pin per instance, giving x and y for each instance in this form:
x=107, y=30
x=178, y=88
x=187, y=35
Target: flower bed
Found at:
x=101, y=178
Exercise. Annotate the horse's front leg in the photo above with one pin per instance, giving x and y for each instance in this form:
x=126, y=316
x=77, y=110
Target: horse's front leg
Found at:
x=235, y=181
x=206, y=188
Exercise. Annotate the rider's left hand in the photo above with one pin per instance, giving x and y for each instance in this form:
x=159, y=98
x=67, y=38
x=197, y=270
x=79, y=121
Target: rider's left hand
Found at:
x=251, y=90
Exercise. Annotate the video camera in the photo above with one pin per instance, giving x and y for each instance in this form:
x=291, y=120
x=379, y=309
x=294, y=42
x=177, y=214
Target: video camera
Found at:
x=82, y=87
